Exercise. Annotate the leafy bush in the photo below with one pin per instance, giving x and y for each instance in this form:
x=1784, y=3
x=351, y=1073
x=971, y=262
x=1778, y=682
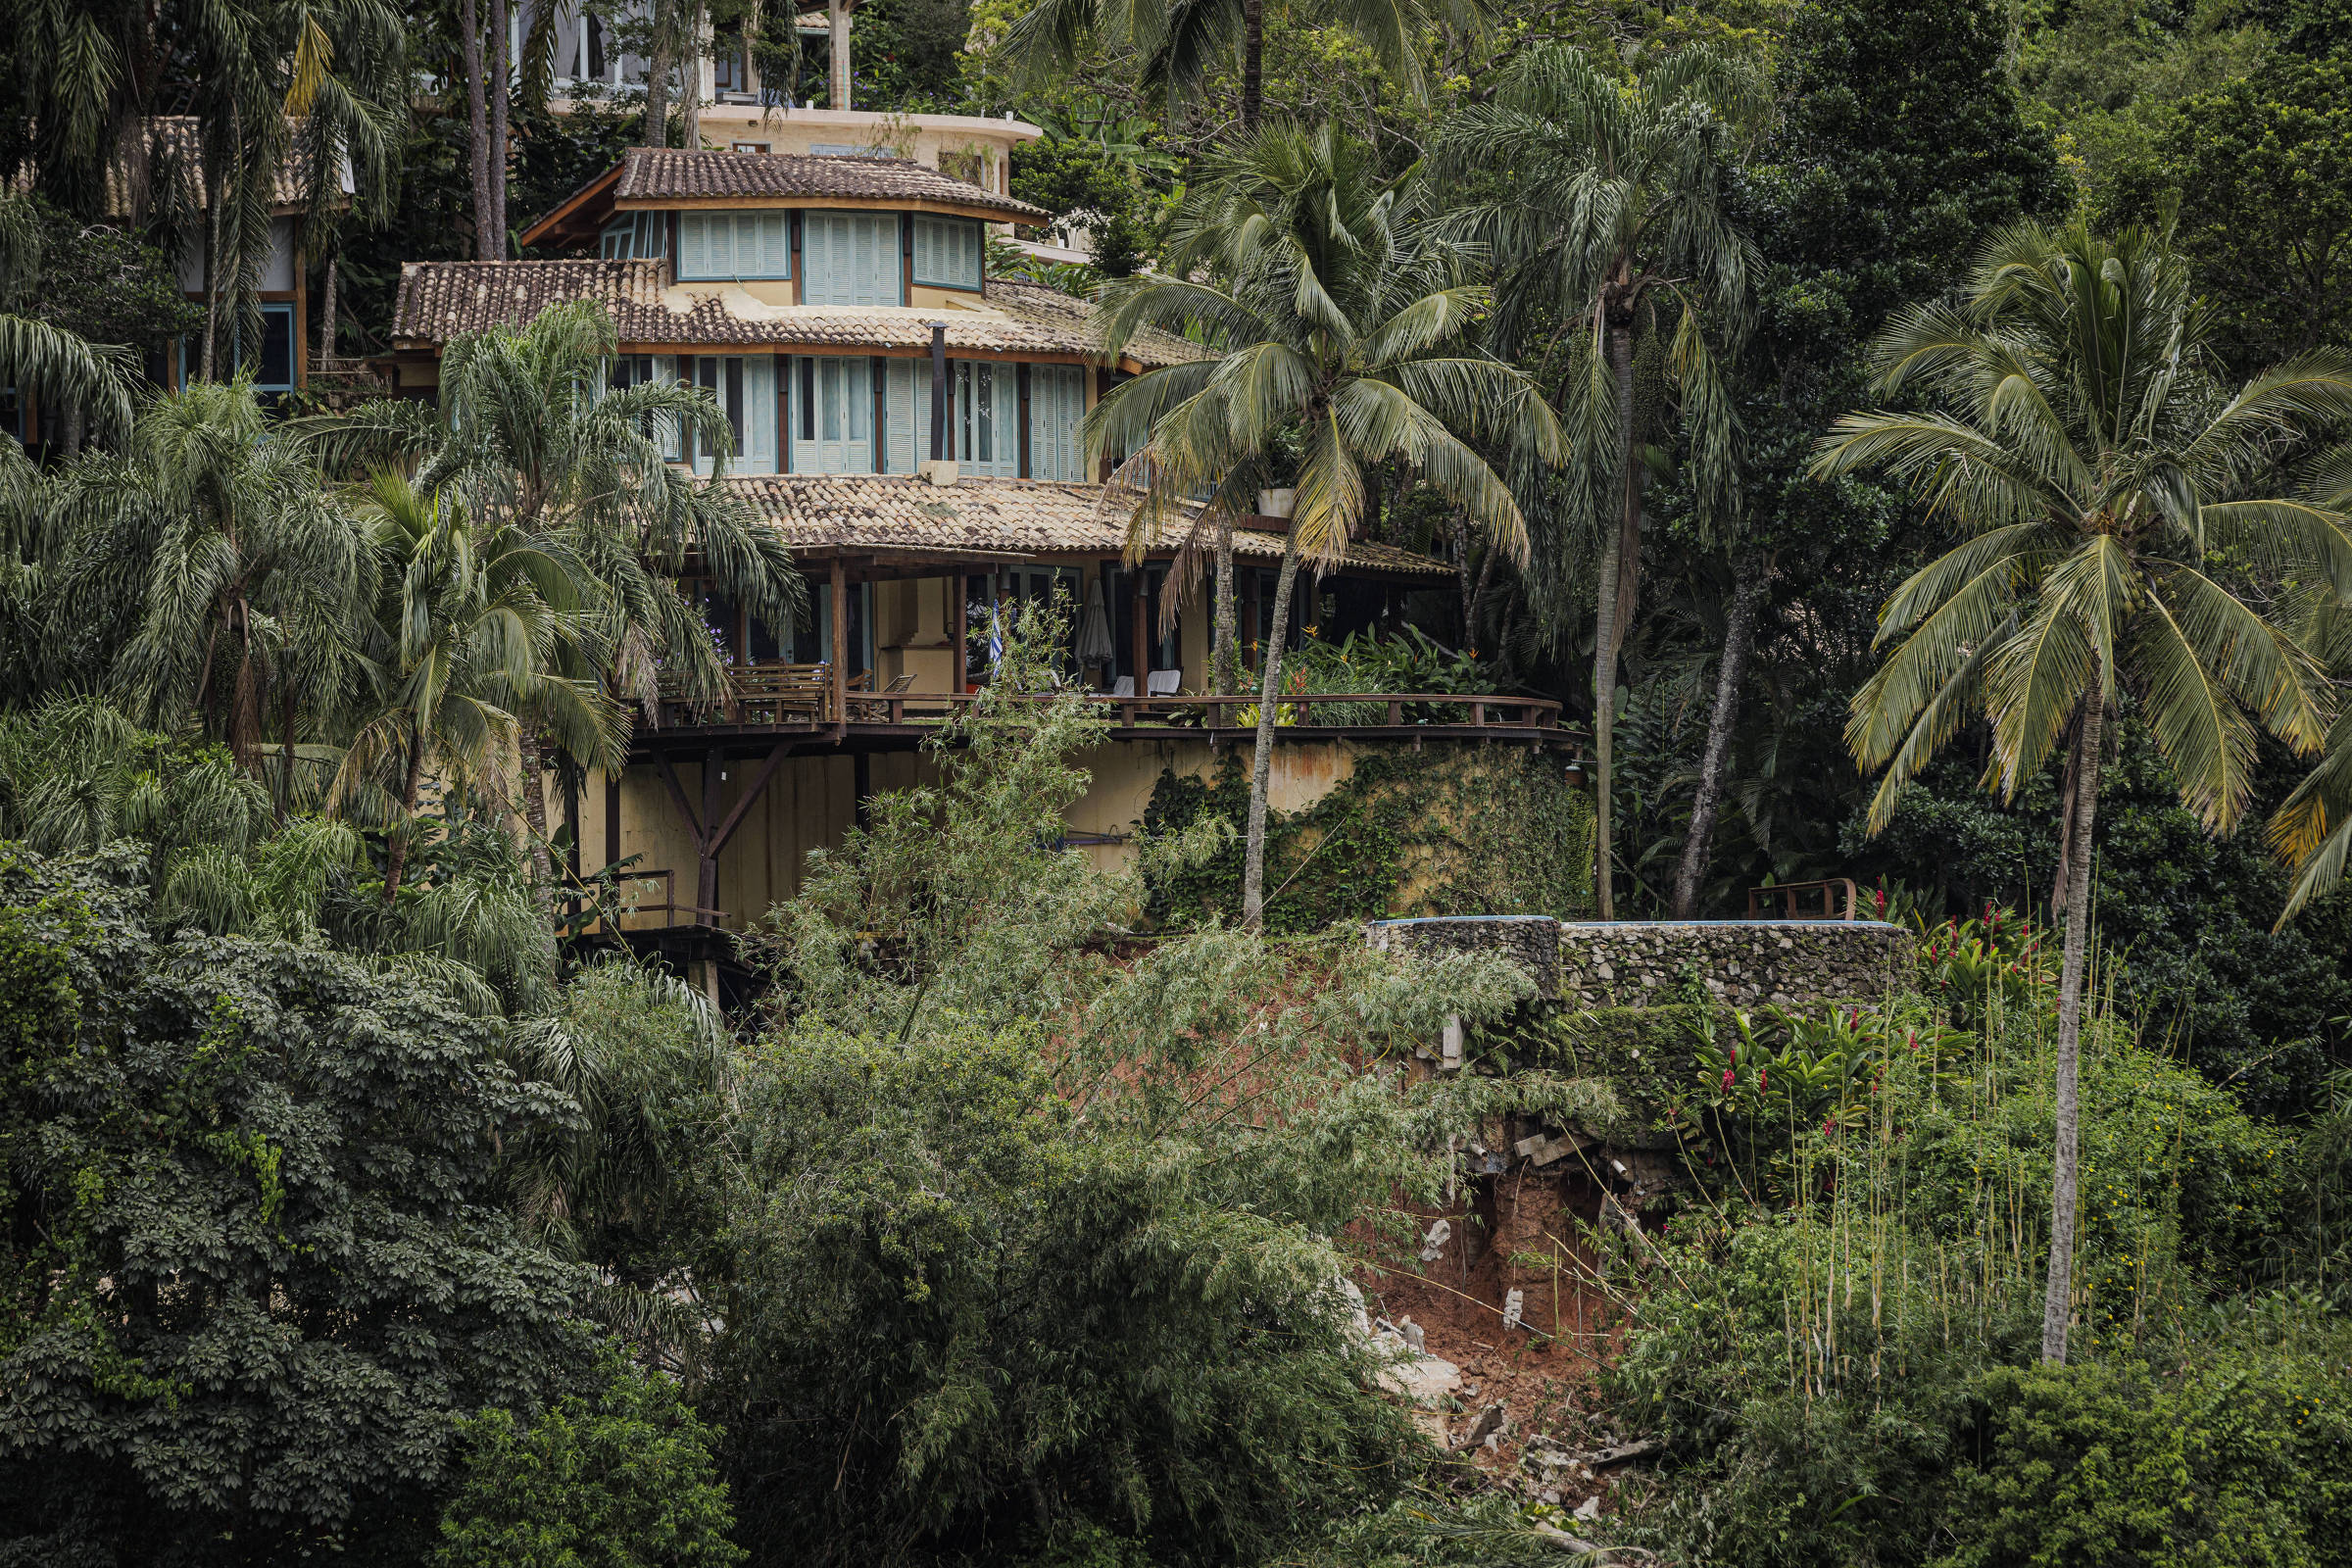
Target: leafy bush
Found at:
x=1493, y=831
x=1815, y=1334
x=623, y=1478
x=2239, y=1461
x=256, y=1253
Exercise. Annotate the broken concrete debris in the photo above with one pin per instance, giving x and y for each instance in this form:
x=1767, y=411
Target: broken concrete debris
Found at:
x=1432, y=1244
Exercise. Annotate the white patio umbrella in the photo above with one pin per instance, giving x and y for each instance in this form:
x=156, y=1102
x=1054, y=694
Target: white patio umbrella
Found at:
x=1093, y=629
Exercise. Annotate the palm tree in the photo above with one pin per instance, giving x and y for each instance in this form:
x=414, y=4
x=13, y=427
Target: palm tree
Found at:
x=1180, y=43
x=246, y=573
x=51, y=364
x=1339, y=319
x=1612, y=212
x=478, y=619
x=2078, y=438
x=528, y=436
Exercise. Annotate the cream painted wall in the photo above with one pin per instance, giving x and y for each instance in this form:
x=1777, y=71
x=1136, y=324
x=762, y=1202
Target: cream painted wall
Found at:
x=810, y=804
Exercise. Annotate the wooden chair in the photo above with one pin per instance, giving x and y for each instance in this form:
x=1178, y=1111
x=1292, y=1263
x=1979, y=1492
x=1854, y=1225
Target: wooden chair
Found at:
x=783, y=694
x=878, y=712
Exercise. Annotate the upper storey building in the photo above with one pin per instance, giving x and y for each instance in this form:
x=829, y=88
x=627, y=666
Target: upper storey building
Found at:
x=820, y=300
x=830, y=304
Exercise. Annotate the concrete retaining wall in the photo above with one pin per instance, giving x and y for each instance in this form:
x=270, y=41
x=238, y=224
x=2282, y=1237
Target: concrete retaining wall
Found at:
x=1742, y=964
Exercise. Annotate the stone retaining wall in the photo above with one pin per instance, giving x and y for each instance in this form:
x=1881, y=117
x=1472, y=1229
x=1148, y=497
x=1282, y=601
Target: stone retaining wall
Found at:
x=1742, y=964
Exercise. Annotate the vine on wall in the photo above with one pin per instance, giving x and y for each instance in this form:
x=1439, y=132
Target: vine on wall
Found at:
x=1450, y=830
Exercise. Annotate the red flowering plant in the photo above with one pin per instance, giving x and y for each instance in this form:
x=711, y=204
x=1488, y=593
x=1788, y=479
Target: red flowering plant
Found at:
x=1999, y=962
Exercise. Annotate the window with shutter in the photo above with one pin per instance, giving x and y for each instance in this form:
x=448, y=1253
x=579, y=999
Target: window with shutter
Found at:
x=832, y=414
x=947, y=252
x=733, y=245
x=984, y=426
x=852, y=257
x=906, y=398
x=1056, y=407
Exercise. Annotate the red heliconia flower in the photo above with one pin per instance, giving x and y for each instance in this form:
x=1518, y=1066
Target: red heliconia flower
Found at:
x=1829, y=1127
x=1730, y=1074
x=1763, y=1081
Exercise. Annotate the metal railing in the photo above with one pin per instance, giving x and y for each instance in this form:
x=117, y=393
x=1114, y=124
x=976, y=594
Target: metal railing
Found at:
x=1805, y=901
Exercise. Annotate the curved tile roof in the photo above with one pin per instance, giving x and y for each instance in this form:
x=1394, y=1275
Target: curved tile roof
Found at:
x=679, y=174
x=988, y=516
x=438, y=299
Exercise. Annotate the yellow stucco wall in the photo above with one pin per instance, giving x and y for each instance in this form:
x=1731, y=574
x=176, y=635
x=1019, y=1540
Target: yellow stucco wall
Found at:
x=811, y=802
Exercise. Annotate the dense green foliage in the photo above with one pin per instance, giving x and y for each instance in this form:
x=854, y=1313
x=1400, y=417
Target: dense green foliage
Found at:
x=1404, y=833
x=258, y=1249
x=620, y=1479
x=353, y=1209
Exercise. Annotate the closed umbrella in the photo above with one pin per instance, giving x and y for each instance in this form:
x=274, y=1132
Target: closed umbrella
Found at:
x=1094, y=628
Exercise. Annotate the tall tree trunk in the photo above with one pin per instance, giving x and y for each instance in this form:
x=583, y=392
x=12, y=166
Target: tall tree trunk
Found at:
x=1253, y=61
x=326, y=326
x=477, y=126
x=69, y=429
x=396, y=859
x=286, y=707
x=501, y=77
x=690, y=80
x=1224, y=661
x=534, y=812
x=215, y=200
x=2058, y=1297
x=1261, y=766
x=1738, y=637
x=837, y=41
x=656, y=133
x=1478, y=601
x=1620, y=562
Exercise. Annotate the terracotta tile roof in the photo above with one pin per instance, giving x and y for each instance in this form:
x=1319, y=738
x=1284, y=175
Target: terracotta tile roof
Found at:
x=996, y=517
x=438, y=299
x=175, y=156
x=676, y=173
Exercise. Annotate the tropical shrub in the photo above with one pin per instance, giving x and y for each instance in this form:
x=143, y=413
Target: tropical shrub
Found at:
x=258, y=1254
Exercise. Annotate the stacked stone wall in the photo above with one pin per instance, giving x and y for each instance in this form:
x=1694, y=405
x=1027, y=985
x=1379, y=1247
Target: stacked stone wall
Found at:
x=1740, y=964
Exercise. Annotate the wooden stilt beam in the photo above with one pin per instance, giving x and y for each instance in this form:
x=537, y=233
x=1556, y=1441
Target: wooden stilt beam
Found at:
x=751, y=793
x=678, y=798
x=841, y=648
x=706, y=889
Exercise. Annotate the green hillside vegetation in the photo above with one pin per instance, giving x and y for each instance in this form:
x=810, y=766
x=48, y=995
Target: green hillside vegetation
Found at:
x=1912, y=443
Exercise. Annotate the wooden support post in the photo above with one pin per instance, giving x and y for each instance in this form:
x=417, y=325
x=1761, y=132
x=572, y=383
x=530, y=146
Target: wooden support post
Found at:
x=706, y=882
x=611, y=818
x=1141, y=651
x=751, y=791
x=840, y=650
x=959, y=635
x=571, y=820
x=862, y=784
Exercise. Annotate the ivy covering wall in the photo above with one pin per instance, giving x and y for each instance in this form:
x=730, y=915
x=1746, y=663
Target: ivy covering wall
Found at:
x=1446, y=830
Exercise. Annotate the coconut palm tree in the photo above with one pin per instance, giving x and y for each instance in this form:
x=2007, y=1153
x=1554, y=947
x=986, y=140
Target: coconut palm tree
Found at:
x=1341, y=319
x=1612, y=212
x=479, y=620
x=528, y=435
x=2076, y=438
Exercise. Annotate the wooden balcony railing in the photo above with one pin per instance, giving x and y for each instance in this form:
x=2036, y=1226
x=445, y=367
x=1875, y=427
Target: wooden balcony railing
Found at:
x=802, y=696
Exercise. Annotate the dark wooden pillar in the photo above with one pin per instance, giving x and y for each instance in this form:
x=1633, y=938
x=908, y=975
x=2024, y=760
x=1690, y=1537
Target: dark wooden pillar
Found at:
x=1141, y=651
x=571, y=820
x=840, y=650
x=960, y=634
x=611, y=818
x=706, y=882
x=862, y=784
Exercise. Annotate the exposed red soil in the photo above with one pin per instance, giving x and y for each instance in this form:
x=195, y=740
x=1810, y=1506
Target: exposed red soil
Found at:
x=1520, y=1229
